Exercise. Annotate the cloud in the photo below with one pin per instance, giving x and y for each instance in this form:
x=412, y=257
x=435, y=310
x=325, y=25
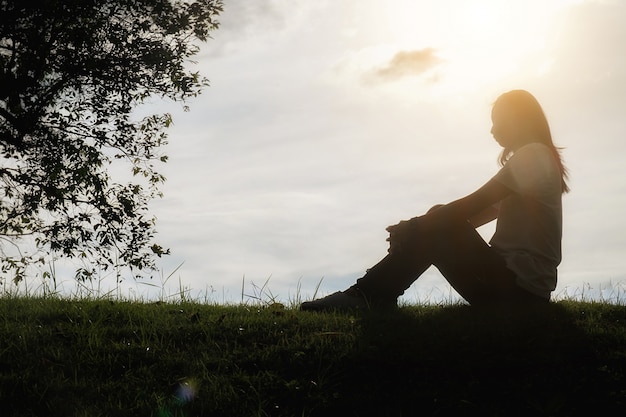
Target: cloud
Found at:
x=407, y=64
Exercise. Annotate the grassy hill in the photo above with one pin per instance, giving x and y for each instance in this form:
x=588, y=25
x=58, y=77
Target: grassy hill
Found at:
x=109, y=358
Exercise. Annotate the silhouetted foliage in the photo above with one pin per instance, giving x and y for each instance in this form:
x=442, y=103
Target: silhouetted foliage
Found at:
x=72, y=73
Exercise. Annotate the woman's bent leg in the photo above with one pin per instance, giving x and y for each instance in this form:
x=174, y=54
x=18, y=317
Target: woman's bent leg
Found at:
x=468, y=263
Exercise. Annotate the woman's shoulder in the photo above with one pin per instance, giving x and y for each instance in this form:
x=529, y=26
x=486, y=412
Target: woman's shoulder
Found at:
x=534, y=147
x=535, y=160
x=534, y=151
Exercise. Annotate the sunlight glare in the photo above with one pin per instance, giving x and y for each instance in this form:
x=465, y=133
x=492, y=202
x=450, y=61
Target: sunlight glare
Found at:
x=480, y=42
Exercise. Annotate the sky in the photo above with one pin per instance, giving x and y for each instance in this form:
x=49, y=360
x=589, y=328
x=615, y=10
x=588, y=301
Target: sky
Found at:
x=327, y=121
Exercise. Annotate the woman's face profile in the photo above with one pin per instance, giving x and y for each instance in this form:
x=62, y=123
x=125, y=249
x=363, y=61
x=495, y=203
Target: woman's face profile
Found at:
x=504, y=127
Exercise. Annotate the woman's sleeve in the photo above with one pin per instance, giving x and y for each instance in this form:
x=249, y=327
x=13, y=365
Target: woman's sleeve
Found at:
x=528, y=170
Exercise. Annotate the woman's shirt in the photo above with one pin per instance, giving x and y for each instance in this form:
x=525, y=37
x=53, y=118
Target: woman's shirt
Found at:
x=529, y=226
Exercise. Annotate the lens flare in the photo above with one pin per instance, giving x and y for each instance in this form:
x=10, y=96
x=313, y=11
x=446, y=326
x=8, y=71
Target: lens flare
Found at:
x=186, y=391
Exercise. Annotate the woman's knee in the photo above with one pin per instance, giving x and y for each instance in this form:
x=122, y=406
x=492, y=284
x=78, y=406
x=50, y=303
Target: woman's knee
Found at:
x=435, y=207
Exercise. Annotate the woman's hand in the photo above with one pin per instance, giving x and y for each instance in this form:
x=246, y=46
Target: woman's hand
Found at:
x=404, y=235
x=400, y=235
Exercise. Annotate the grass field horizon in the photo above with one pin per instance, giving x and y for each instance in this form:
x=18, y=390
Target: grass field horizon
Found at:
x=172, y=288
x=103, y=357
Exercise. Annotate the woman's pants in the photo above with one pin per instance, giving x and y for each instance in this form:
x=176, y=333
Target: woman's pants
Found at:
x=474, y=269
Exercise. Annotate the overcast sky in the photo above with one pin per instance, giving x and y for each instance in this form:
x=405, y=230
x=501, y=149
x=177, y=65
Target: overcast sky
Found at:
x=326, y=121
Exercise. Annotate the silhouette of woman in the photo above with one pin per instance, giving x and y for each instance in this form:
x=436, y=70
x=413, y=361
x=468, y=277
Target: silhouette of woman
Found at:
x=519, y=265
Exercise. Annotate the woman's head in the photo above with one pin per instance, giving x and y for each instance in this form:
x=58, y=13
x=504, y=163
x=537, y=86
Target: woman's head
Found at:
x=518, y=120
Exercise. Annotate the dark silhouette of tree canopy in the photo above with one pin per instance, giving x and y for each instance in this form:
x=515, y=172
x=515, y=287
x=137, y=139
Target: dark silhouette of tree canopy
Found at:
x=72, y=74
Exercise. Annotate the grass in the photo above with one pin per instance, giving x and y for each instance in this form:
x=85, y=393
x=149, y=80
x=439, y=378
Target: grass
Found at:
x=118, y=358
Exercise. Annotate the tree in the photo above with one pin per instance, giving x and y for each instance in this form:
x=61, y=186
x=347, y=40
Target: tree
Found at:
x=72, y=75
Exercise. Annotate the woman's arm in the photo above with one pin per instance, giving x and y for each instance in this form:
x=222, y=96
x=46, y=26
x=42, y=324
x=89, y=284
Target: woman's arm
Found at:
x=487, y=215
x=477, y=208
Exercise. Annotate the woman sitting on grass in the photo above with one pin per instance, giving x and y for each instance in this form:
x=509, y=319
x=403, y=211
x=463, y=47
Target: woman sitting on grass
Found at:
x=519, y=265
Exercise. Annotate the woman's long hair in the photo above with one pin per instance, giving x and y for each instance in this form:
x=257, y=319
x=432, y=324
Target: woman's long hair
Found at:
x=526, y=107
